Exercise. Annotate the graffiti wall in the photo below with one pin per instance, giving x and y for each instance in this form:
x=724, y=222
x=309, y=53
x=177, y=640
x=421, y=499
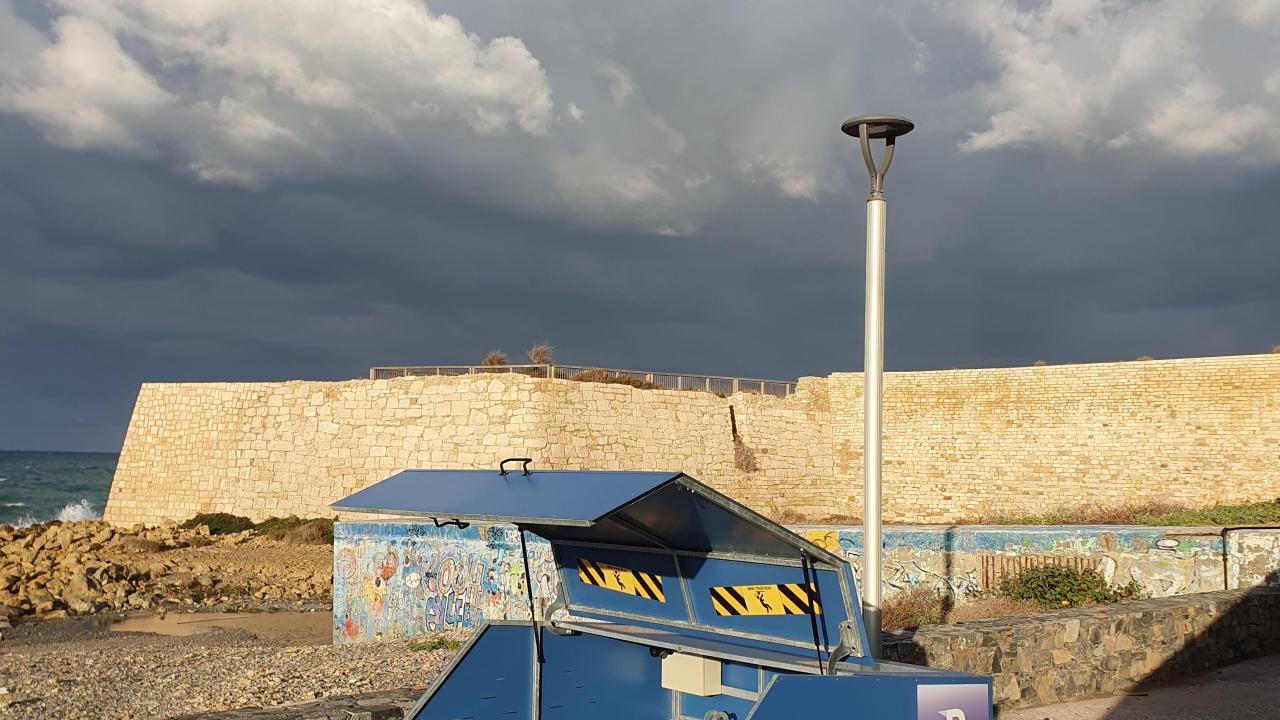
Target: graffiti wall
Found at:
x=1253, y=557
x=397, y=579
x=967, y=560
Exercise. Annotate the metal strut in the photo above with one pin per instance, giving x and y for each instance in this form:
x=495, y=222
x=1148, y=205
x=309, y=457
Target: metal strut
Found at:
x=812, y=590
x=537, y=632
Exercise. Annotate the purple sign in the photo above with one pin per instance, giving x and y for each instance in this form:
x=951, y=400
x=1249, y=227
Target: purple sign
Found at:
x=952, y=702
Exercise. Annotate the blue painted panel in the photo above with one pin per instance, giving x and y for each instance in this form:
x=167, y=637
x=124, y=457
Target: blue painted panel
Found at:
x=582, y=595
x=695, y=706
x=546, y=497
x=875, y=697
x=493, y=681
x=738, y=675
x=702, y=574
x=586, y=676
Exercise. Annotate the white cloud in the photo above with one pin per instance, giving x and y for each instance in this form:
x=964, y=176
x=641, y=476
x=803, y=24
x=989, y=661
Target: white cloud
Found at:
x=792, y=176
x=1183, y=77
x=86, y=91
x=575, y=112
x=231, y=85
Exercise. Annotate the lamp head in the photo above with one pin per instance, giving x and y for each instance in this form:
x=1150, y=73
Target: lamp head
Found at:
x=877, y=127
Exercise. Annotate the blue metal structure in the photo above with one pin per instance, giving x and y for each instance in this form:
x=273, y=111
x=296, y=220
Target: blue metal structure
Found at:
x=682, y=604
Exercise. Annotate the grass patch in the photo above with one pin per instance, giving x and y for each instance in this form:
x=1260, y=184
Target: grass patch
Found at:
x=220, y=523
x=1263, y=513
x=293, y=529
x=435, y=643
x=600, y=376
x=1156, y=514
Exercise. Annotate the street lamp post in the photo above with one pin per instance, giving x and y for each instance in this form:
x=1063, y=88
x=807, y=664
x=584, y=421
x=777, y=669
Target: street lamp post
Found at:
x=867, y=128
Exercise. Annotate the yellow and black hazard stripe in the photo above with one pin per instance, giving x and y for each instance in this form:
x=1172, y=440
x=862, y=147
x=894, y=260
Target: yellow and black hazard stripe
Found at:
x=780, y=599
x=617, y=579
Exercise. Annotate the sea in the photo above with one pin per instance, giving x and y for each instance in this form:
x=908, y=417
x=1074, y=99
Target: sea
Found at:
x=37, y=487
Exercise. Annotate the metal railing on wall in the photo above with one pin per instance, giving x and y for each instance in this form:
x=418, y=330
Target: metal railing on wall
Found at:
x=719, y=385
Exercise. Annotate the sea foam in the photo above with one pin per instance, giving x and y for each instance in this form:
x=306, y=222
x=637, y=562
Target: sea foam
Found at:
x=70, y=512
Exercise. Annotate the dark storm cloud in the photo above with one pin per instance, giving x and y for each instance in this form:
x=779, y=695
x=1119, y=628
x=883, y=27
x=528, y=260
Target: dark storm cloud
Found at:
x=668, y=189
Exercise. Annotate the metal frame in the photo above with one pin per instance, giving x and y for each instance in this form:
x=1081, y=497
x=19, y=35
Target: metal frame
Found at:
x=669, y=380
x=750, y=656
x=442, y=676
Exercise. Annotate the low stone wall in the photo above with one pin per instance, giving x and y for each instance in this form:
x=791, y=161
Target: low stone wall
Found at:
x=399, y=579
x=963, y=560
x=1074, y=654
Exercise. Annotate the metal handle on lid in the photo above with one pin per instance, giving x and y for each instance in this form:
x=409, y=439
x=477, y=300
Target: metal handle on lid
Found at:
x=524, y=462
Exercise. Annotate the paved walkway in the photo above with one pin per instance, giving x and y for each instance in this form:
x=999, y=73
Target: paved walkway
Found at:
x=1245, y=691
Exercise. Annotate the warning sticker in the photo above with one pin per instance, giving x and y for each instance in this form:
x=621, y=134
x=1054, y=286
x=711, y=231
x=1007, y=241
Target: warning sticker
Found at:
x=631, y=582
x=782, y=599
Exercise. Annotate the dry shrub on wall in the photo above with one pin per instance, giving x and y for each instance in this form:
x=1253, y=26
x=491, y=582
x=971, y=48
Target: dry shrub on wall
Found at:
x=918, y=606
x=1086, y=515
x=494, y=358
x=988, y=607
x=542, y=354
x=913, y=607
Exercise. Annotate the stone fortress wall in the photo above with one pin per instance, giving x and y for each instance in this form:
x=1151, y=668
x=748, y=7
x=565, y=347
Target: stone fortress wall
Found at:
x=959, y=444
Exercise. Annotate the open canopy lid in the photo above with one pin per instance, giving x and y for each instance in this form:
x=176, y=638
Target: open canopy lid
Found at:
x=664, y=510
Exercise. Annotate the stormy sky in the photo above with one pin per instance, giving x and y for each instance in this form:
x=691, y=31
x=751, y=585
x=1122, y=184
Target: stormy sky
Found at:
x=222, y=190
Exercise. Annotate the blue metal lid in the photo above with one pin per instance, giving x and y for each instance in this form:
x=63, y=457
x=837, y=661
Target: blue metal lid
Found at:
x=539, y=498
x=667, y=510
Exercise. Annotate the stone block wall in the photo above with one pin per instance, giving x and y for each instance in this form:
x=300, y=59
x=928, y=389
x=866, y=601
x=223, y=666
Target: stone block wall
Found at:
x=960, y=445
x=1074, y=654
x=963, y=444
x=264, y=449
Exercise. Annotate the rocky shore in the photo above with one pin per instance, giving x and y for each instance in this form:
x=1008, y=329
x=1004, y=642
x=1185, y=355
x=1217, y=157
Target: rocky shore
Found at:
x=98, y=621
x=81, y=568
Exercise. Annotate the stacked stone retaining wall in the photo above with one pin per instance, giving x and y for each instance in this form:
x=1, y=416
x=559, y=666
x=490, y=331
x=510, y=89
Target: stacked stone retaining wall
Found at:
x=1074, y=654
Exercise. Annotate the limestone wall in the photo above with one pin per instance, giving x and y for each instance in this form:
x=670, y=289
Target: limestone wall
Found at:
x=973, y=443
x=959, y=444
x=263, y=449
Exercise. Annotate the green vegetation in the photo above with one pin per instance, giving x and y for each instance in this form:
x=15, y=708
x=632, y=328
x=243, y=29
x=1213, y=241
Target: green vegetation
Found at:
x=220, y=523
x=1162, y=515
x=600, y=376
x=1263, y=513
x=1051, y=586
x=438, y=642
x=311, y=531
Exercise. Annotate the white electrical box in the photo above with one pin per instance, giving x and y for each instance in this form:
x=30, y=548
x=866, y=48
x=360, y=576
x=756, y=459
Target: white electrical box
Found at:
x=691, y=674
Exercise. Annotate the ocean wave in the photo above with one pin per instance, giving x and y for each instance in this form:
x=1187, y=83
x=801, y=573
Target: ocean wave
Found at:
x=17, y=504
x=71, y=512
